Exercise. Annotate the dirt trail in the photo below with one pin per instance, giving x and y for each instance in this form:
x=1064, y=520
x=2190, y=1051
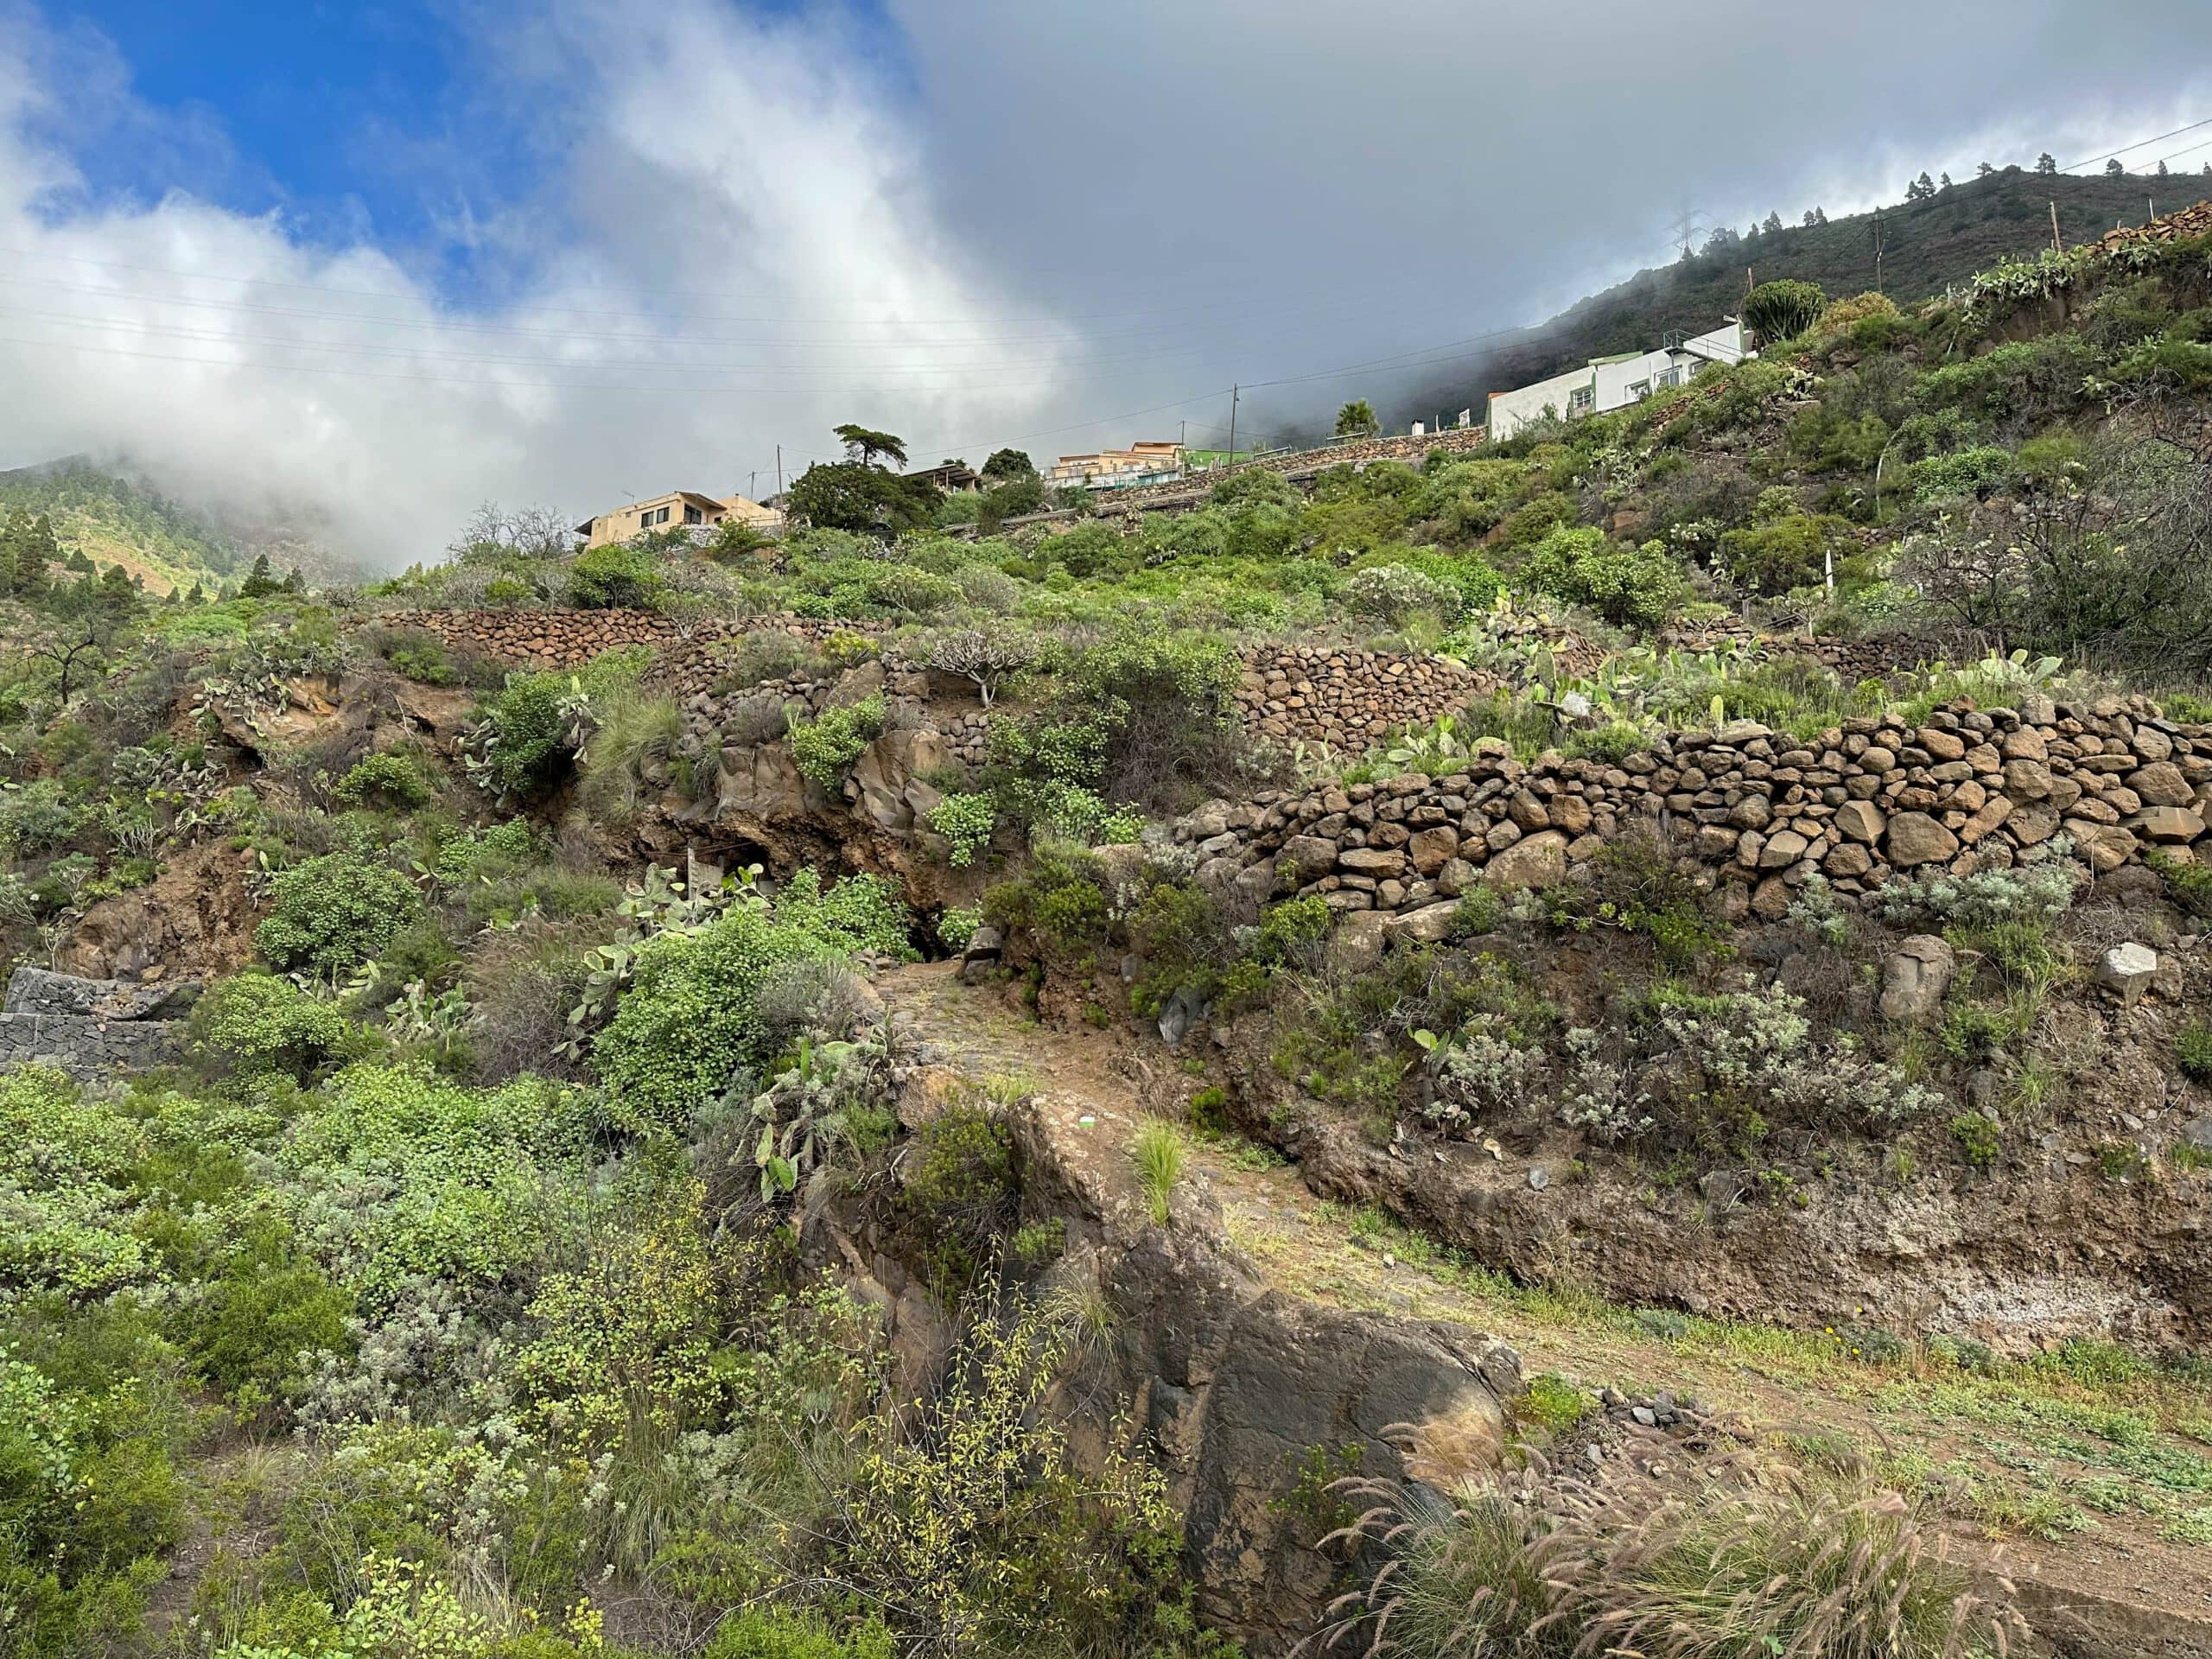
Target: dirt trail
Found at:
x=1974, y=1454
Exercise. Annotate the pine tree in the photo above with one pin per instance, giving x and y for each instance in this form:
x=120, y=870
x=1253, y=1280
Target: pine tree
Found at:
x=1773, y=224
x=2114, y=169
x=2161, y=173
x=36, y=553
x=259, y=582
x=2046, y=165
x=295, y=582
x=1944, y=183
x=1983, y=170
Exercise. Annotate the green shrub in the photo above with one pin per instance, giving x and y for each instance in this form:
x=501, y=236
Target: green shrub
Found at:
x=689, y=1024
x=966, y=821
x=1978, y=1141
x=961, y=1193
x=333, y=914
x=1628, y=585
x=825, y=749
x=617, y=577
x=527, y=732
x=258, y=1023
x=2190, y=885
x=779, y=1633
x=389, y=777
x=2193, y=1054
x=261, y=1315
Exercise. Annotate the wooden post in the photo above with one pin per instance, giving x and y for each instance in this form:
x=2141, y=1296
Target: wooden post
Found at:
x=2056, y=243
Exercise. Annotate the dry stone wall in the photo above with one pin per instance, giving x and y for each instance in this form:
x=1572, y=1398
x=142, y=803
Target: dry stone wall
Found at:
x=1339, y=696
x=92, y=1029
x=1967, y=790
x=564, y=639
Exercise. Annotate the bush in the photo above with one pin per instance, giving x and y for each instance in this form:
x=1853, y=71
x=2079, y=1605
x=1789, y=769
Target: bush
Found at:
x=526, y=735
x=333, y=914
x=825, y=749
x=2035, y=893
x=690, y=1026
x=1394, y=593
x=258, y=1023
x=389, y=777
x=2193, y=1054
x=617, y=577
x=1629, y=586
x=777, y=1633
x=1782, y=310
x=966, y=821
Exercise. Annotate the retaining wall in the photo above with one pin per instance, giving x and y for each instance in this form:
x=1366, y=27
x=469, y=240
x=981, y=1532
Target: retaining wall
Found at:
x=1875, y=797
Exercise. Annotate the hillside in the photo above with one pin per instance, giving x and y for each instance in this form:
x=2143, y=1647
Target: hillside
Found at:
x=1642, y=995
x=112, y=520
x=1926, y=246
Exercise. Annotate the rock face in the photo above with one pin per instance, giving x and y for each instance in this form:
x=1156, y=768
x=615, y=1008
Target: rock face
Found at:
x=94, y=1029
x=1234, y=1386
x=1915, y=977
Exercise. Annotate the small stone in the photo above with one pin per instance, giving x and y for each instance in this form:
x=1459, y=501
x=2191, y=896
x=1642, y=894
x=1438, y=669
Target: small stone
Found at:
x=2126, y=970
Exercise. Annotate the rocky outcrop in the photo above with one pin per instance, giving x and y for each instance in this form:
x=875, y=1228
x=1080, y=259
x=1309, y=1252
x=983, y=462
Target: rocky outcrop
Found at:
x=1238, y=1389
x=1964, y=789
x=94, y=1029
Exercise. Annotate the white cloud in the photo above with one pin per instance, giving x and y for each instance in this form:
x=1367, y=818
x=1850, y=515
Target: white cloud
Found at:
x=726, y=192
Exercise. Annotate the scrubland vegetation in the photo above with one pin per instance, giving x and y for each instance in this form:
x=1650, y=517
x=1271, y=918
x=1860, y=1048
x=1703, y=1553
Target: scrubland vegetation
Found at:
x=446, y=1298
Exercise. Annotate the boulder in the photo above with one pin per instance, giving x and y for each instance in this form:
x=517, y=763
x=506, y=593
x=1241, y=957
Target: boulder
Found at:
x=2126, y=970
x=1381, y=863
x=1430, y=925
x=1310, y=858
x=1916, y=839
x=1859, y=821
x=1538, y=860
x=2168, y=823
x=1915, y=976
x=1431, y=849
x=1357, y=945
x=2161, y=783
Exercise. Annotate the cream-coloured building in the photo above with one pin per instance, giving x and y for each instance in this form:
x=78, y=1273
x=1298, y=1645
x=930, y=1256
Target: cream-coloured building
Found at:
x=678, y=510
x=1109, y=469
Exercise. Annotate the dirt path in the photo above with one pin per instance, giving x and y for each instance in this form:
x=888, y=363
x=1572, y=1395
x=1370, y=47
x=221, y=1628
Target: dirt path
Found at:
x=2079, y=1482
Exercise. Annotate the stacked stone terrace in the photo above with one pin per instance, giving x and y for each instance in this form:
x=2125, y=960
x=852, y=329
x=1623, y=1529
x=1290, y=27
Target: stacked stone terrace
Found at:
x=1872, y=799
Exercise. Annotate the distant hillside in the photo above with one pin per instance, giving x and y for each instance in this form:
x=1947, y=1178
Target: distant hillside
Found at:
x=112, y=520
x=1925, y=245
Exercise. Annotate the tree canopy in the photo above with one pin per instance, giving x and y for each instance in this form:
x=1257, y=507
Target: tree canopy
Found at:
x=864, y=445
x=1357, y=419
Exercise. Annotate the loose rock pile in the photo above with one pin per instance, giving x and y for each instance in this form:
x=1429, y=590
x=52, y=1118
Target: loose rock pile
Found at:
x=1875, y=797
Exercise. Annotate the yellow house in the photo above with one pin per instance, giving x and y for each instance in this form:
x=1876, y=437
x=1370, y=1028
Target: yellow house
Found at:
x=1141, y=463
x=677, y=510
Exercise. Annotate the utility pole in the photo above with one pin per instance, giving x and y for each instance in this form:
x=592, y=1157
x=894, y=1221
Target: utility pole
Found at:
x=1234, y=391
x=1881, y=236
x=780, y=469
x=2057, y=243
x=753, y=485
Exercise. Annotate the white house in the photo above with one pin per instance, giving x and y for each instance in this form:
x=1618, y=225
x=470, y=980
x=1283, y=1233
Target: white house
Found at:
x=1606, y=383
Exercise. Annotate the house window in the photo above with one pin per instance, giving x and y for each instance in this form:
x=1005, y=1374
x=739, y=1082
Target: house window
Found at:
x=655, y=516
x=693, y=516
x=1639, y=390
x=1579, y=400
x=1671, y=378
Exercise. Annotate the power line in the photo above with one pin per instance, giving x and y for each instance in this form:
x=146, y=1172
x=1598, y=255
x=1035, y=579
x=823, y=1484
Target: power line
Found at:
x=2138, y=144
